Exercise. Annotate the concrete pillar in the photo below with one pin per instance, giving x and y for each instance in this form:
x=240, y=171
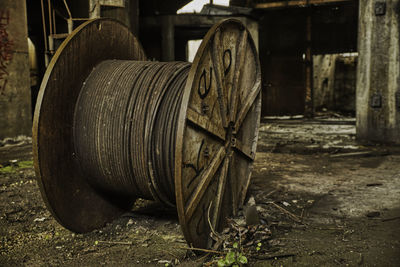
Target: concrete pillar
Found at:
x=378, y=73
x=15, y=99
x=94, y=9
x=168, y=38
x=309, y=96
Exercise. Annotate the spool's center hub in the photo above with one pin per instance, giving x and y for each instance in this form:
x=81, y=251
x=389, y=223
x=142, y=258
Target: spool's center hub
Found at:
x=230, y=136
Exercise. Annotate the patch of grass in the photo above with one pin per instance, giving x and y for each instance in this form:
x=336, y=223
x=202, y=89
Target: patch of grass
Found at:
x=7, y=169
x=14, y=167
x=25, y=164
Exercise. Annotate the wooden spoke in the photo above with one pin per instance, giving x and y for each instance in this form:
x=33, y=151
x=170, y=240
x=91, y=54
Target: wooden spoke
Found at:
x=239, y=193
x=244, y=150
x=205, y=123
x=221, y=191
x=205, y=179
x=234, y=181
x=240, y=54
x=247, y=105
x=216, y=57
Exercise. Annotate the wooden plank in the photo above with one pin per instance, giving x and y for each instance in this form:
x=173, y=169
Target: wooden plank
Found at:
x=205, y=123
x=216, y=57
x=247, y=104
x=205, y=179
x=297, y=3
x=220, y=192
x=240, y=54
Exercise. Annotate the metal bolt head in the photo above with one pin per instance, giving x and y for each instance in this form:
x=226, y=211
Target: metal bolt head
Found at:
x=233, y=142
x=206, y=152
x=204, y=108
x=376, y=101
x=380, y=8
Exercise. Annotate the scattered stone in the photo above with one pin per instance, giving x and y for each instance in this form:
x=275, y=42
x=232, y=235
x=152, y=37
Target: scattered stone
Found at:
x=39, y=219
x=130, y=222
x=164, y=262
x=251, y=201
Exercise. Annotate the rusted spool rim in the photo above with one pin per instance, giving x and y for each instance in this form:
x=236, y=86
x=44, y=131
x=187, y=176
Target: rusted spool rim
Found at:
x=216, y=134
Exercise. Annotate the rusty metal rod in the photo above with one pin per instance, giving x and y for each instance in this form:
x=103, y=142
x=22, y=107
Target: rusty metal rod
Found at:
x=44, y=27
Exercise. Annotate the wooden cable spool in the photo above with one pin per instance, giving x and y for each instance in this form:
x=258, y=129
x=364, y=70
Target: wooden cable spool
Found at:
x=110, y=127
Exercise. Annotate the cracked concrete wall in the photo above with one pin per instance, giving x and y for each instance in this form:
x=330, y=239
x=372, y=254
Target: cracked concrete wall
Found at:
x=15, y=100
x=378, y=74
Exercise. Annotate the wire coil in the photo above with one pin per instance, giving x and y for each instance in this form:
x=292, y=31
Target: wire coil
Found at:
x=124, y=127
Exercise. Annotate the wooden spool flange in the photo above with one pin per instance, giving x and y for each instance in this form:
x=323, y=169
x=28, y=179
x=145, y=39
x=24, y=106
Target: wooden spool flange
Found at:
x=216, y=134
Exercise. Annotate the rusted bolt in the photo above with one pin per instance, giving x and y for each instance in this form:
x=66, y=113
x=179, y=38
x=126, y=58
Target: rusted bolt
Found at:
x=233, y=142
x=204, y=108
x=206, y=152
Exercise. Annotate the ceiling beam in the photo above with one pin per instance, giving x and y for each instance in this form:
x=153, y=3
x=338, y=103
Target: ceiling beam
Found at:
x=297, y=3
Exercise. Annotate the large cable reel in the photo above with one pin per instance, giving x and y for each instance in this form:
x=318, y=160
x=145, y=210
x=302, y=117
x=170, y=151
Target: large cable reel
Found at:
x=110, y=127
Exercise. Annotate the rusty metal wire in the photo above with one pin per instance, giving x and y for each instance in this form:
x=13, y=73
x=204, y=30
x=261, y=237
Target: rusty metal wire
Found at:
x=125, y=127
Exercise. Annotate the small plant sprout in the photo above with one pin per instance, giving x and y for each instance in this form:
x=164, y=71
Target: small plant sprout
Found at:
x=234, y=257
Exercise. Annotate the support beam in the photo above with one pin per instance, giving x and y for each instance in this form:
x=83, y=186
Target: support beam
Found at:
x=309, y=101
x=378, y=73
x=168, y=39
x=197, y=20
x=297, y=3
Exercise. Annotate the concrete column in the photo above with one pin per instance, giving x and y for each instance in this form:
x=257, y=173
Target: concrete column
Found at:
x=94, y=9
x=309, y=97
x=168, y=38
x=378, y=73
x=15, y=99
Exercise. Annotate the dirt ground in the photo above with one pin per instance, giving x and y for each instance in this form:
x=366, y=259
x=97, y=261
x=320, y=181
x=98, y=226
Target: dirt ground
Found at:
x=323, y=206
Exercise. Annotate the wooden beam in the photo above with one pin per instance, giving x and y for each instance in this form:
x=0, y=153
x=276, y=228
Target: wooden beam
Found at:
x=297, y=3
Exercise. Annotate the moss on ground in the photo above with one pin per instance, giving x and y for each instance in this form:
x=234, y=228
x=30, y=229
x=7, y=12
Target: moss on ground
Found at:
x=14, y=167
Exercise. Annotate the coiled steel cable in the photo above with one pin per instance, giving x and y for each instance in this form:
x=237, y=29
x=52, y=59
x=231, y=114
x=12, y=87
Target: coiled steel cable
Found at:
x=125, y=125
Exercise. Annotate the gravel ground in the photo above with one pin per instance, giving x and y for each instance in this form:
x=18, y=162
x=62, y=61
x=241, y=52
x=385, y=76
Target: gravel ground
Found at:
x=316, y=206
